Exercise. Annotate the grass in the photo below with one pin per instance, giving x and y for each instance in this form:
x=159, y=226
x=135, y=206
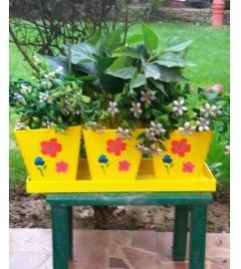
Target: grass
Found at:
x=210, y=53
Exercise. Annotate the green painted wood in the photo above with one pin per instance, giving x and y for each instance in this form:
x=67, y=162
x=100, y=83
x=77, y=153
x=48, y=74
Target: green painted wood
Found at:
x=70, y=228
x=60, y=233
x=180, y=233
x=111, y=199
x=198, y=237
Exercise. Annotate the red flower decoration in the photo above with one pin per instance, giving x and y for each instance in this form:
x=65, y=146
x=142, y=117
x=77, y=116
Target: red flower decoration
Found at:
x=180, y=147
x=116, y=146
x=188, y=167
x=62, y=167
x=124, y=165
x=51, y=147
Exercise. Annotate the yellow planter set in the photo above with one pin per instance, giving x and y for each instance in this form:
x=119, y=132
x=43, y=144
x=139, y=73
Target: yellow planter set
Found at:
x=52, y=159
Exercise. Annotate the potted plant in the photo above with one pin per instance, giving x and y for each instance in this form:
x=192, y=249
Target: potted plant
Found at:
x=48, y=128
x=140, y=95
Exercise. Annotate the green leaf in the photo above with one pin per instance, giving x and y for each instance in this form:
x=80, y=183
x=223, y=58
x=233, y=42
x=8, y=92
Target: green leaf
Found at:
x=134, y=39
x=193, y=99
x=176, y=45
x=151, y=40
x=170, y=59
x=159, y=86
x=152, y=71
x=114, y=39
x=137, y=81
x=82, y=53
x=170, y=75
x=133, y=52
x=85, y=99
x=121, y=69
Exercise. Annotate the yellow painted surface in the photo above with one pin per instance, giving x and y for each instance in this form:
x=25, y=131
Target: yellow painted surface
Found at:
x=187, y=153
x=49, y=155
x=145, y=182
x=110, y=157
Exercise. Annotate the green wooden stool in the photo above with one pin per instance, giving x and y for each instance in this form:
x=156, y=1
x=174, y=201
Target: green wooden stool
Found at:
x=196, y=203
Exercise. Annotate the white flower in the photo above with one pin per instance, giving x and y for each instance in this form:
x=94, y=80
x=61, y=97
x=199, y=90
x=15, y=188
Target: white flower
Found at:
x=150, y=134
x=112, y=109
x=143, y=149
x=210, y=111
x=203, y=124
x=179, y=106
x=18, y=97
x=148, y=96
x=124, y=133
x=187, y=129
x=43, y=97
x=25, y=89
x=59, y=69
x=227, y=149
x=157, y=128
x=156, y=149
x=136, y=109
x=20, y=125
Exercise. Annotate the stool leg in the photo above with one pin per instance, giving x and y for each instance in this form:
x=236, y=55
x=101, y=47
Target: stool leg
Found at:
x=180, y=233
x=70, y=217
x=198, y=237
x=60, y=226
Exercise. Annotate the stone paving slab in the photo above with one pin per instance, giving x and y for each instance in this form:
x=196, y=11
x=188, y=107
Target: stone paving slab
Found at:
x=98, y=249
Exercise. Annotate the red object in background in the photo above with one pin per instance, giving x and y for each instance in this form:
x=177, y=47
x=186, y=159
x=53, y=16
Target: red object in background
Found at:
x=218, y=12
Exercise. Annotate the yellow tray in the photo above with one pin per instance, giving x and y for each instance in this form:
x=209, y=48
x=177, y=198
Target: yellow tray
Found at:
x=145, y=182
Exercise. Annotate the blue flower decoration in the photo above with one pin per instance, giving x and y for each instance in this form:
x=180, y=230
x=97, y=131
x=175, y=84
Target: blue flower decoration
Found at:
x=167, y=159
x=39, y=161
x=103, y=159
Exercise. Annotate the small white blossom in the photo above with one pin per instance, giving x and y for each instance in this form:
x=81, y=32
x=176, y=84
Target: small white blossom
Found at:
x=179, y=106
x=136, y=109
x=210, y=111
x=77, y=112
x=203, y=124
x=124, y=133
x=112, y=109
x=187, y=128
x=18, y=97
x=59, y=69
x=92, y=125
x=20, y=125
x=156, y=149
x=150, y=134
x=143, y=149
x=25, y=89
x=43, y=97
x=148, y=96
x=157, y=128
x=227, y=150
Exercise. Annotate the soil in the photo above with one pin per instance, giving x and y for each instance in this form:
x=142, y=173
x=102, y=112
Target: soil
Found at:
x=33, y=212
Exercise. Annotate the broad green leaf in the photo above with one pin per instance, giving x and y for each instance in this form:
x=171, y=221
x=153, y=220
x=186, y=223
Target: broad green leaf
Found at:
x=159, y=86
x=170, y=59
x=137, y=81
x=152, y=71
x=150, y=39
x=193, y=99
x=133, y=52
x=82, y=53
x=114, y=39
x=121, y=69
x=170, y=75
x=176, y=45
x=134, y=39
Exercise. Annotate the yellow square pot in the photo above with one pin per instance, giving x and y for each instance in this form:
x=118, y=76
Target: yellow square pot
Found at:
x=184, y=156
x=111, y=157
x=49, y=155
